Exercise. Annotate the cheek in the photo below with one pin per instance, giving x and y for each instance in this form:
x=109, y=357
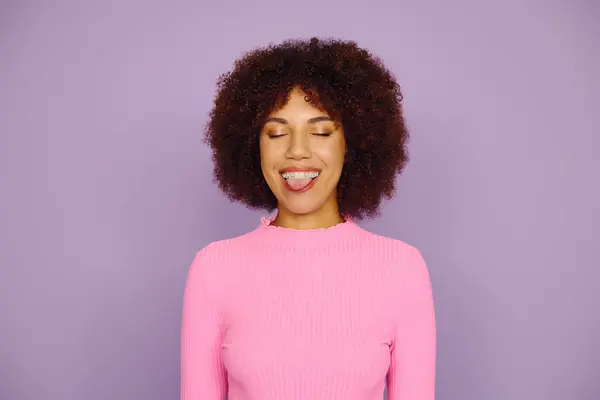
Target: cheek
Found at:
x=333, y=155
x=264, y=161
x=265, y=154
x=269, y=156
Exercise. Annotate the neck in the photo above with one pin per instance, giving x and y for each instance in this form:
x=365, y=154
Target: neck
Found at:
x=326, y=217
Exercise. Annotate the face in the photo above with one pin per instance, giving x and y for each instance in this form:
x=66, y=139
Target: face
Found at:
x=302, y=154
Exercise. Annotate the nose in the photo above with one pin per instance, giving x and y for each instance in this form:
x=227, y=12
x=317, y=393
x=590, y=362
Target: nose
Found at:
x=298, y=148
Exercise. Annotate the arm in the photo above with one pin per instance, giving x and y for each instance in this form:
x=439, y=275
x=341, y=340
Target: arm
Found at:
x=202, y=373
x=413, y=353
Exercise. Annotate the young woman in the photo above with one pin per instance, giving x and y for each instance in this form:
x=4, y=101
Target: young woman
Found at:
x=308, y=305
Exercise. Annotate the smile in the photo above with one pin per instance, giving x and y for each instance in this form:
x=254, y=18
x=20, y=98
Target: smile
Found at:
x=299, y=181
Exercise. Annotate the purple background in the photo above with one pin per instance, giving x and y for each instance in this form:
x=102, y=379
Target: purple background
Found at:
x=106, y=193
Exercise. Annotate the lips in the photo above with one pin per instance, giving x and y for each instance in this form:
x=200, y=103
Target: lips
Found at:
x=299, y=179
x=299, y=169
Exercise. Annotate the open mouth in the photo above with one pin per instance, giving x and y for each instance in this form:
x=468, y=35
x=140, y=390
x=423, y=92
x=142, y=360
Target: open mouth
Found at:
x=300, y=181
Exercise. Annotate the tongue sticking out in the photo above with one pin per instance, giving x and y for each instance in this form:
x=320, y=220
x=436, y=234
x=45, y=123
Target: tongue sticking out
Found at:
x=298, y=184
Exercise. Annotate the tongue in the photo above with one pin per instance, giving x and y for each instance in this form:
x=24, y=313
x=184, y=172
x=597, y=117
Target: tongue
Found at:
x=298, y=184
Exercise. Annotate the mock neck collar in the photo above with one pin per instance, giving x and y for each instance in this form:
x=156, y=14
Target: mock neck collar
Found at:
x=305, y=238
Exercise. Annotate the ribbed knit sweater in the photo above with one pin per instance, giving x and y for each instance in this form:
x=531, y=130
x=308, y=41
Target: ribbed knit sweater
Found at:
x=321, y=314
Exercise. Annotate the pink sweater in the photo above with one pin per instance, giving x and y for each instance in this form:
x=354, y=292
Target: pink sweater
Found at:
x=284, y=314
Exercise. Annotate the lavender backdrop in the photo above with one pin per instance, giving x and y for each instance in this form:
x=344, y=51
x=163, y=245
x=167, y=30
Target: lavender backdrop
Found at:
x=106, y=188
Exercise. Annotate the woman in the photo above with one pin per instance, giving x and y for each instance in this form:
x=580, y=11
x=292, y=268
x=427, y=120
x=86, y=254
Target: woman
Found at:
x=308, y=305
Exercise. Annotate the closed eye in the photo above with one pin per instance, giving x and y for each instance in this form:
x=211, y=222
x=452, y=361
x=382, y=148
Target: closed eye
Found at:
x=324, y=134
x=276, y=136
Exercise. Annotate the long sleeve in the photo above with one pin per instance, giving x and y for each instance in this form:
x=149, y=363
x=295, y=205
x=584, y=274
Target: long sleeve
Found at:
x=203, y=376
x=411, y=375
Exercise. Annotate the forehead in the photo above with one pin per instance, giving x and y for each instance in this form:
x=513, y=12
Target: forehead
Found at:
x=298, y=104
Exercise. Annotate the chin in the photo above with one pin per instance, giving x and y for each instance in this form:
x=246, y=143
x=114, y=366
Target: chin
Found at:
x=302, y=207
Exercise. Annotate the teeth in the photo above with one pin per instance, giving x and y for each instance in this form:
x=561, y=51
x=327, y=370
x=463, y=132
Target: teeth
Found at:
x=300, y=175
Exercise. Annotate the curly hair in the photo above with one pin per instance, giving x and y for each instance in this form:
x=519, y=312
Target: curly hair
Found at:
x=340, y=78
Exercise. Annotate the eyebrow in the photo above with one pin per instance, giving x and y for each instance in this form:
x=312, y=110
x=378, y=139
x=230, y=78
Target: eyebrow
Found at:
x=310, y=121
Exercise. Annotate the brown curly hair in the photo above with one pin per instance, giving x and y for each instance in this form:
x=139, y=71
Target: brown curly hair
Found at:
x=340, y=78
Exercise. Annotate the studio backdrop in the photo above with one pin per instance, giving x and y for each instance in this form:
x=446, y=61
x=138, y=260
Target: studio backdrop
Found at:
x=106, y=188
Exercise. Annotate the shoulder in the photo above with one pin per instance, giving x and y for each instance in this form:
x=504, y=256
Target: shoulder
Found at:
x=402, y=259
x=407, y=272
x=213, y=258
x=219, y=249
x=396, y=248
